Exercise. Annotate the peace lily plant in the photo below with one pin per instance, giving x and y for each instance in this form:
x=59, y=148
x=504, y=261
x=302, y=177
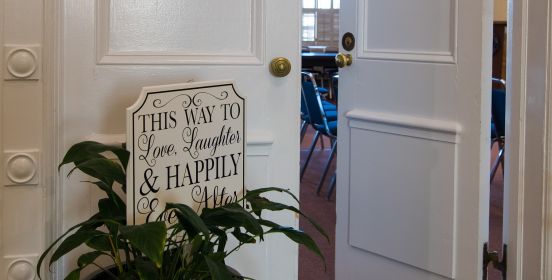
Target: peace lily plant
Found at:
x=194, y=247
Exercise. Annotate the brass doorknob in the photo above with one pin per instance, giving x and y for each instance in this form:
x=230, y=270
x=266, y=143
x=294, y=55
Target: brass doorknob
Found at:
x=280, y=67
x=343, y=60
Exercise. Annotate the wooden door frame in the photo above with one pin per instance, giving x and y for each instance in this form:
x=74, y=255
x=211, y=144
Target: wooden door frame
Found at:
x=528, y=156
x=527, y=162
x=53, y=133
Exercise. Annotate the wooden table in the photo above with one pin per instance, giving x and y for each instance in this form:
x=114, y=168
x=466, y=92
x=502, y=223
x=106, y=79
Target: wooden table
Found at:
x=310, y=59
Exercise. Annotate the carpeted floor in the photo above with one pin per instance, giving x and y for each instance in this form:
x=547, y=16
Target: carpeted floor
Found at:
x=323, y=211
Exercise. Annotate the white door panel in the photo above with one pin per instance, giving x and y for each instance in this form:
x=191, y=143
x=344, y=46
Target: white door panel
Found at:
x=432, y=37
x=412, y=193
x=417, y=228
x=114, y=48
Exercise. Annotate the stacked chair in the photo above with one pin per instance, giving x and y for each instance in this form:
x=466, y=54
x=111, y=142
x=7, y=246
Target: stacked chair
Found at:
x=322, y=117
x=498, y=123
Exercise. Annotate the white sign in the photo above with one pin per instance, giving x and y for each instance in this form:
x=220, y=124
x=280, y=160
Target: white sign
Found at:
x=187, y=145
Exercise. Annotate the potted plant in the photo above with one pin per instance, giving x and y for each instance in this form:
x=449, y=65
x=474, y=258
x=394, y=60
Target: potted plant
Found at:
x=194, y=247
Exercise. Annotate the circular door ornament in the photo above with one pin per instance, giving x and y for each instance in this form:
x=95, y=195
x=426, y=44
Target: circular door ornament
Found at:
x=21, y=168
x=21, y=270
x=21, y=63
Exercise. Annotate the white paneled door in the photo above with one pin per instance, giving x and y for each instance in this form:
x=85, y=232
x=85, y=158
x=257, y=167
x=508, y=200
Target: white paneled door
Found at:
x=111, y=49
x=413, y=160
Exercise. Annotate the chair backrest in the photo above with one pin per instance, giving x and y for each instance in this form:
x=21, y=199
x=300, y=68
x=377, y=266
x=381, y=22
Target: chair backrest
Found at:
x=498, y=111
x=335, y=87
x=313, y=102
x=498, y=107
x=304, y=110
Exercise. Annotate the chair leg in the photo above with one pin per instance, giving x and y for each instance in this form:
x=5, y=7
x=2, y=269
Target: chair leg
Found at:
x=311, y=149
x=502, y=162
x=332, y=186
x=303, y=130
x=327, y=167
x=499, y=159
x=322, y=142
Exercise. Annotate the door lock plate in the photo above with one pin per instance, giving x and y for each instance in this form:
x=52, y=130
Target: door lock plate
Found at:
x=348, y=41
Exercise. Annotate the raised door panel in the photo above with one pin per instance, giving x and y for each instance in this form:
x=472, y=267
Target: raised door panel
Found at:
x=179, y=32
x=401, y=188
x=388, y=32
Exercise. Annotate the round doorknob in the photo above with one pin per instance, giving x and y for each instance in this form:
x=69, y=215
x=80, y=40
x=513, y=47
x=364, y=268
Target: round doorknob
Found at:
x=343, y=60
x=280, y=67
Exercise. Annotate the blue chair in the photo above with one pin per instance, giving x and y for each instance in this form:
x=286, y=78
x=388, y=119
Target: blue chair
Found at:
x=319, y=121
x=329, y=108
x=498, y=124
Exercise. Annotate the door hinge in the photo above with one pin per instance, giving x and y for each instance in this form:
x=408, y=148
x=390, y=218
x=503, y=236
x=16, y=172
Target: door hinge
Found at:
x=492, y=257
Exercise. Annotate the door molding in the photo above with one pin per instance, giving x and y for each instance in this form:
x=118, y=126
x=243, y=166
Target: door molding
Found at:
x=52, y=113
x=547, y=258
x=528, y=156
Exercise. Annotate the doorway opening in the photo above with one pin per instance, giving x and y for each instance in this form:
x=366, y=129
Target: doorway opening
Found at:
x=498, y=135
x=320, y=45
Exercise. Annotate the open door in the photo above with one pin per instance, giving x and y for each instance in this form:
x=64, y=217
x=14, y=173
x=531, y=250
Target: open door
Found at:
x=111, y=49
x=413, y=160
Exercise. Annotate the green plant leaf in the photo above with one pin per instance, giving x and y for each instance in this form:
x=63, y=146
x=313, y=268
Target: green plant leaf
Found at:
x=269, y=224
x=74, y=275
x=149, y=238
x=259, y=203
x=90, y=149
x=300, y=238
x=222, y=239
x=217, y=269
x=188, y=219
x=243, y=237
x=146, y=270
x=231, y=215
x=73, y=241
x=257, y=192
x=88, y=258
x=92, y=223
x=196, y=245
x=102, y=169
x=110, y=209
x=88, y=225
x=99, y=243
x=110, y=193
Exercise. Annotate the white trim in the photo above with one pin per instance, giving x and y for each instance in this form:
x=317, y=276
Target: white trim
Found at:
x=53, y=134
x=405, y=55
x=528, y=138
x=413, y=126
x=104, y=55
x=547, y=258
x=515, y=133
x=2, y=62
x=547, y=252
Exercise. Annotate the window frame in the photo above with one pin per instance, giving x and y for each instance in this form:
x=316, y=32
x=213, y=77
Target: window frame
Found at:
x=316, y=41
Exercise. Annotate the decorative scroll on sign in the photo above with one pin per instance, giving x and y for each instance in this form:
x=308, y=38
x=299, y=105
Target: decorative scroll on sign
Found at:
x=187, y=145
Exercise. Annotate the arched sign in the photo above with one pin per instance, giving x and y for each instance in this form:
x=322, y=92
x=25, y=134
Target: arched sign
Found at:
x=187, y=145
